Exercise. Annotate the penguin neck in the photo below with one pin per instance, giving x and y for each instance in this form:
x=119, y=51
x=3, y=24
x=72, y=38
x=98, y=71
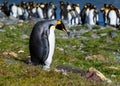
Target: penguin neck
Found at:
x=52, y=28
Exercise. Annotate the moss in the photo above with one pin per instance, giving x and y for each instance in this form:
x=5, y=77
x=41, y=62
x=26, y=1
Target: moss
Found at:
x=96, y=27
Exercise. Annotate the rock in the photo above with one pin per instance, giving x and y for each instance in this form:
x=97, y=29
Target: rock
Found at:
x=21, y=51
x=113, y=76
x=95, y=36
x=82, y=31
x=2, y=15
x=20, y=24
x=20, y=21
x=13, y=18
x=61, y=49
x=113, y=34
x=10, y=62
x=94, y=57
x=1, y=25
x=103, y=34
x=2, y=30
x=5, y=53
x=118, y=57
x=108, y=40
x=12, y=27
x=65, y=69
x=24, y=36
x=96, y=75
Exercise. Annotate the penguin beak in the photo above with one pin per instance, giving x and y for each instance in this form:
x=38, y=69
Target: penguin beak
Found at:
x=61, y=26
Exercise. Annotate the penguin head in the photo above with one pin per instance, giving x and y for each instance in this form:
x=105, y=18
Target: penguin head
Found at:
x=60, y=26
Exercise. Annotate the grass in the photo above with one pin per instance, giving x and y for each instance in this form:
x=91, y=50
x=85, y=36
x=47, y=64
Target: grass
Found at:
x=69, y=51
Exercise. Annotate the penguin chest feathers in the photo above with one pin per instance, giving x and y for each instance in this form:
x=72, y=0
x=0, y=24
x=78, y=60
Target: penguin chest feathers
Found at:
x=51, y=39
x=52, y=34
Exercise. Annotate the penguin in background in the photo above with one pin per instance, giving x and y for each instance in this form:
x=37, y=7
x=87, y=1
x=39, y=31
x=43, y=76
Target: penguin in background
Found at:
x=93, y=16
x=39, y=11
x=69, y=7
x=118, y=17
x=77, y=12
x=5, y=8
x=24, y=4
x=63, y=10
x=87, y=12
x=26, y=13
x=51, y=11
x=69, y=17
x=73, y=14
x=83, y=14
x=112, y=16
x=14, y=10
x=33, y=11
x=42, y=42
x=44, y=7
x=105, y=11
x=19, y=11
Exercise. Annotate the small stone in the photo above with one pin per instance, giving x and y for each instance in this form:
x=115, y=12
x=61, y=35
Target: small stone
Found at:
x=10, y=62
x=24, y=36
x=113, y=76
x=113, y=34
x=5, y=53
x=103, y=34
x=20, y=21
x=95, y=36
x=61, y=49
x=21, y=51
x=1, y=25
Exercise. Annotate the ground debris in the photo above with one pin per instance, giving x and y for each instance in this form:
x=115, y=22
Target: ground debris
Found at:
x=95, y=75
x=94, y=57
x=10, y=53
x=112, y=67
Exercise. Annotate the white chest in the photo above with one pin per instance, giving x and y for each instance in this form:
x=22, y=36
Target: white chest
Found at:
x=51, y=40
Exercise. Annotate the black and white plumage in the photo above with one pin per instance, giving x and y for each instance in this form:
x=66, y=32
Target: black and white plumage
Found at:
x=42, y=42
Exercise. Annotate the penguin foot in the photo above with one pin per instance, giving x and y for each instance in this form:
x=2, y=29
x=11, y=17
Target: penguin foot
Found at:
x=46, y=68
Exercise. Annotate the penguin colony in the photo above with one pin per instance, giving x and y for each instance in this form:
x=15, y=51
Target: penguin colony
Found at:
x=71, y=13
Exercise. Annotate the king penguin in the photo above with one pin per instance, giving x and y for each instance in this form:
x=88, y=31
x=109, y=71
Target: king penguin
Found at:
x=112, y=16
x=14, y=10
x=42, y=42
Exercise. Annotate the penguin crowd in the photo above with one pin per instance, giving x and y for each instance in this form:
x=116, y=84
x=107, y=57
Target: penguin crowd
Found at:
x=27, y=10
x=71, y=13
x=111, y=15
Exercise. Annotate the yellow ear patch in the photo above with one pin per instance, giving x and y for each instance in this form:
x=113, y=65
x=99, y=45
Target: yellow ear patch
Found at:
x=59, y=22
